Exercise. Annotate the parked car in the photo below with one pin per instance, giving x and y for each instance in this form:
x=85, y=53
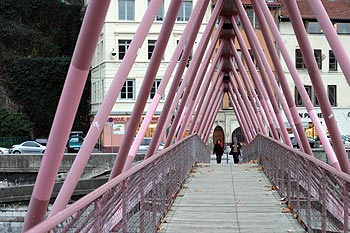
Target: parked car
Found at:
x=313, y=143
x=4, y=150
x=74, y=143
x=28, y=147
x=145, y=144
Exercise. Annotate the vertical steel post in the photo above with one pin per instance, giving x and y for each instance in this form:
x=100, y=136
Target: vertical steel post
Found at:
x=66, y=110
x=300, y=86
x=105, y=109
x=318, y=85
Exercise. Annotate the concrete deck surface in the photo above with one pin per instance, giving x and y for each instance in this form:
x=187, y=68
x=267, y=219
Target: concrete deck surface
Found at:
x=229, y=198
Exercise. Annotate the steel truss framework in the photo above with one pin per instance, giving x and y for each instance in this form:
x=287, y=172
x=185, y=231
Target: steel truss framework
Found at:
x=194, y=105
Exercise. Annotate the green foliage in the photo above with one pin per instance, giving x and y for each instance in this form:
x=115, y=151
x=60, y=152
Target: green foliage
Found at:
x=36, y=85
x=38, y=28
x=37, y=38
x=14, y=123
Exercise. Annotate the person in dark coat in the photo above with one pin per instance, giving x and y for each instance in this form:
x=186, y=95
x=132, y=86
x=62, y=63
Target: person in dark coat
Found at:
x=218, y=150
x=235, y=150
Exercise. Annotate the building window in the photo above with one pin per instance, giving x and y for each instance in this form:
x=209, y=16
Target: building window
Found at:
x=151, y=46
x=310, y=92
x=154, y=89
x=299, y=61
x=185, y=10
x=332, y=94
x=126, y=9
x=190, y=56
x=128, y=90
x=318, y=57
x=253, y=19
x=314, y=28
x=123, y=46
x=342, y=28
x=333, y=64
x=160, y=13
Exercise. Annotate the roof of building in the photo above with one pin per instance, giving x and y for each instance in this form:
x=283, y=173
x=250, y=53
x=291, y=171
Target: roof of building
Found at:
x=336, y=9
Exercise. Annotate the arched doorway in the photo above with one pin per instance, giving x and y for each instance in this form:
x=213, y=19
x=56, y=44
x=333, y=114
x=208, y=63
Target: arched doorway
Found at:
x=218, y=134
x=239, y=135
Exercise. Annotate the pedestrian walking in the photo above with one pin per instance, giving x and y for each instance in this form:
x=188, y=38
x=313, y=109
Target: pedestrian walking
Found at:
x=235, y=150
x=218, y=150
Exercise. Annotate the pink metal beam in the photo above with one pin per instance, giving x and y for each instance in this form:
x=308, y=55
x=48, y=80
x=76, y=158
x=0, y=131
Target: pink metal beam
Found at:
x=242, y=104
x=332, y=37
x=146, y=87
x=293, y=118
x=167, y=112
x=265, y=101
x=66, y=110
x=191, y=73
x=203, y=117
x=265, y=73
x=160, y=92
x=242, y=101
x=258, y=125
x=239, y=114
x=105, y=109
x=318, y=85
x=205, y=86
x=217, y=104
x=260, y=114
x=299, y=85
x=199, y=77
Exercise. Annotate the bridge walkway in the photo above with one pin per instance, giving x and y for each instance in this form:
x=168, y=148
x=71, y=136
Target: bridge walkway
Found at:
x=229, y=198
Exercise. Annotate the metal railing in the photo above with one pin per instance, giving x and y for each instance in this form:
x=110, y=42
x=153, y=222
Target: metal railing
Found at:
x=317, y=194
x=136, y=200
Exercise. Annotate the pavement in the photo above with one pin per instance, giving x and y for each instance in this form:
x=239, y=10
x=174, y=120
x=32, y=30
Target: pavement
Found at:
x=229, y=198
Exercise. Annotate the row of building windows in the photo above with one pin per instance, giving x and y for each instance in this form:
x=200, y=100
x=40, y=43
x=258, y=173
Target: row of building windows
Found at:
x=332, y=61
x=315, y=27
x=129, y=89
x=331, y=91
x=123, y=46
x=126, y=10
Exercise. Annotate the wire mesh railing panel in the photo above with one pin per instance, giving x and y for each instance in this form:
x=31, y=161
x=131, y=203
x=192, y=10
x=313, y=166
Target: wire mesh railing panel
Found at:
x=136, y=200
x=317, y=193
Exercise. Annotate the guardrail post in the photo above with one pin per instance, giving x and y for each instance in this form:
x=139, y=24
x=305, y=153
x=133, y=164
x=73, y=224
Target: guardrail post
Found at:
x=142, y=201
x=346, y=205
x=308, y=180
x=323, y=197
x=125, y=206
x=97, y=216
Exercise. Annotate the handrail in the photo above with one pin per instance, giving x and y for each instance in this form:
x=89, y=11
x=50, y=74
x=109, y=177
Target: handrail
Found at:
x=137, y=199
x=318, y=194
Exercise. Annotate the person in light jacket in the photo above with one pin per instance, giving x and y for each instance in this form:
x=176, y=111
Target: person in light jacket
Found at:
x=235, y=150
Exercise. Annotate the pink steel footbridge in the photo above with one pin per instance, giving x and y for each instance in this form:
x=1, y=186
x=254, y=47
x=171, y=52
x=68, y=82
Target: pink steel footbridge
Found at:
x=228, y=59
